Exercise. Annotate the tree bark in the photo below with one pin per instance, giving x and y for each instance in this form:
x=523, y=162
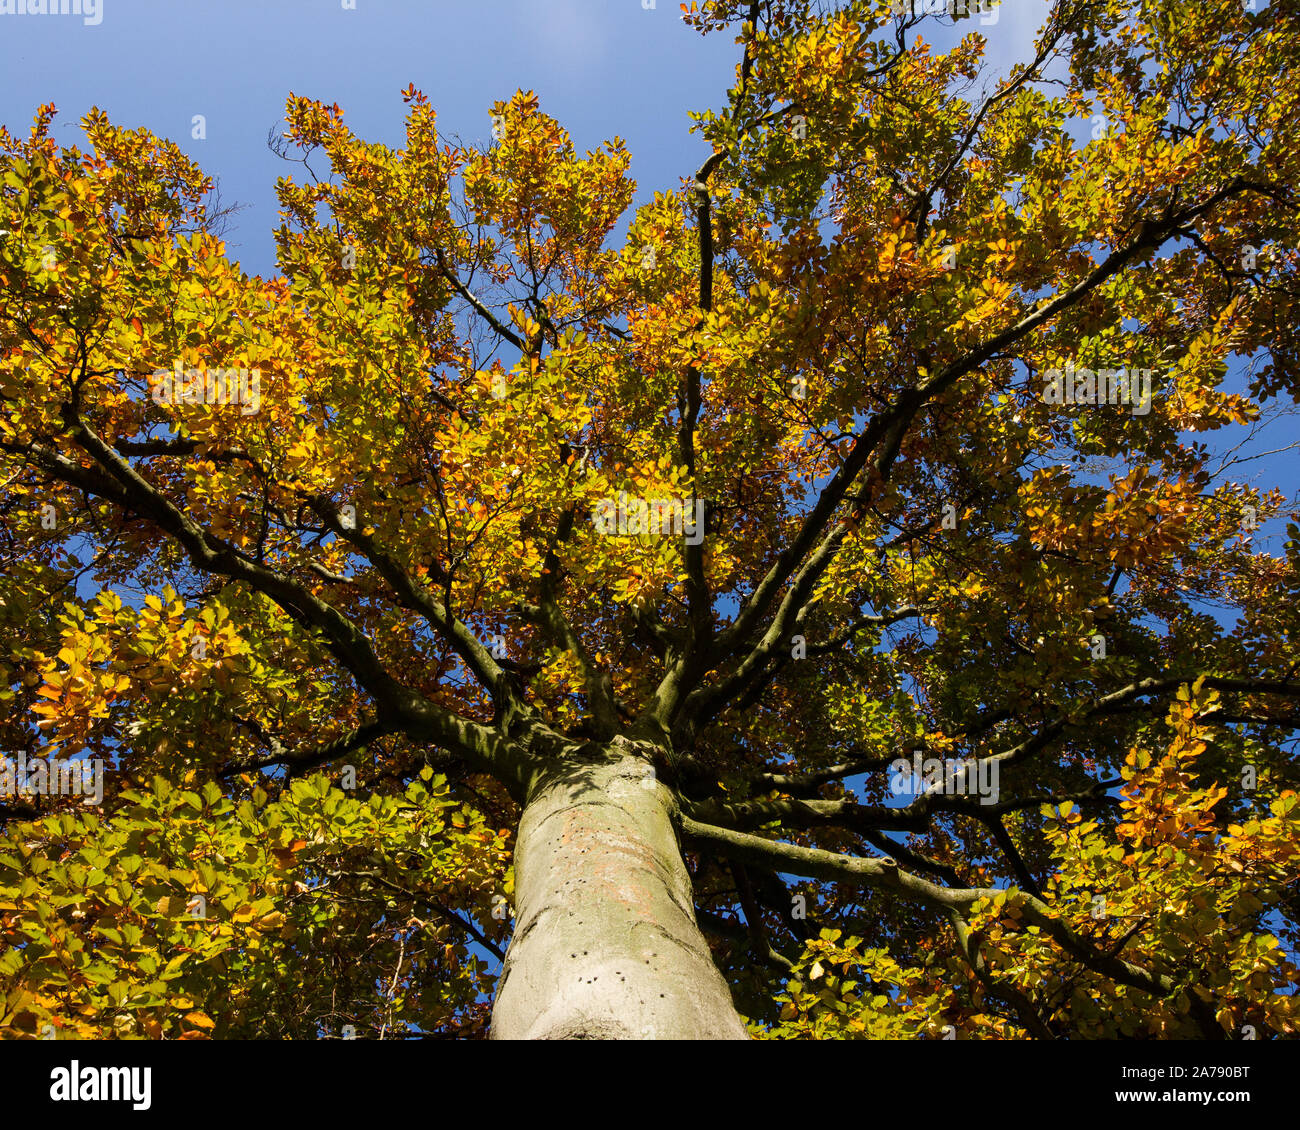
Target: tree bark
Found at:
x=606, y=945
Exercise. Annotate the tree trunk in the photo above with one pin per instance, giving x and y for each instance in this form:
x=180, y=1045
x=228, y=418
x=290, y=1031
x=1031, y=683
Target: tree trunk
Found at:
x=605, y=943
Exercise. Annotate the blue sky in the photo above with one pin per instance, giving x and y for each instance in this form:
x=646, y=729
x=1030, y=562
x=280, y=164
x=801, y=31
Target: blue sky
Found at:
x=601, y=67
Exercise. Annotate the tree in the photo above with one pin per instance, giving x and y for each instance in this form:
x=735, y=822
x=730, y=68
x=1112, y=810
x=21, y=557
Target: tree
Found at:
x=486, y=575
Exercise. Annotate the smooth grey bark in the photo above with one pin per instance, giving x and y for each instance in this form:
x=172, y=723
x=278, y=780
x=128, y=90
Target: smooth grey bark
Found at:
x=606, y=945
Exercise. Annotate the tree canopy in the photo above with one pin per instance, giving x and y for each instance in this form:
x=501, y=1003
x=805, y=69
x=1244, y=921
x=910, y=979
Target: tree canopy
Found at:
x=895, y=432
